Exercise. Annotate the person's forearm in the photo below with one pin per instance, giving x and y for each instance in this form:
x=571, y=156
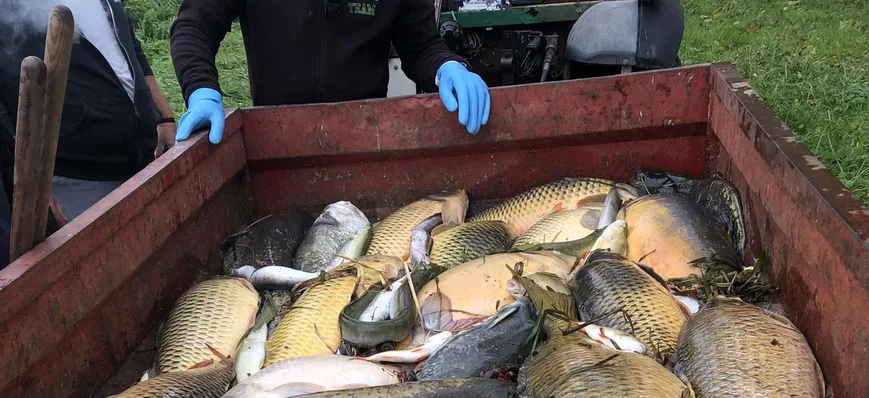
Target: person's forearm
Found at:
x=160, y=100
x=194, y=39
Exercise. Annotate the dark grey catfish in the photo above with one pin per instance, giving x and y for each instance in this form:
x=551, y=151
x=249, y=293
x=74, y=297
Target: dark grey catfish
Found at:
x=271, y=240
x=337, y=224
x=494, y=342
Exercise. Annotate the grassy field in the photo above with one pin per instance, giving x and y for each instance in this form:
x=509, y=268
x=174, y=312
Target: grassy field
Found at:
x=807, y=58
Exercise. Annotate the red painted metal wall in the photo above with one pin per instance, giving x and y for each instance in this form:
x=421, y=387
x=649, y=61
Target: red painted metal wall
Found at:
x=73, y=309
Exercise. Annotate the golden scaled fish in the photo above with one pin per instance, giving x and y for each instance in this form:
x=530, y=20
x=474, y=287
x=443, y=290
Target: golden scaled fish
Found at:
x=391, y=237
x=310, y=327
x=209, y=380
x=525, y=209
x=576, y=365
x=478, y=288
x=615, y=292
x=671, y=234
x=734, y=349
x=454, y=244
x=585, y=370
x=216, y=312
x=564, y=226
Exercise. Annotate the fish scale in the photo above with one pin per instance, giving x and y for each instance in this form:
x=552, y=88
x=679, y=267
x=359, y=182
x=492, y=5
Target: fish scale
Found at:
x=469, y=241
x=311, y=325
x=523, y=210
x=206, y=382
x=563, y=226
x=572, y=365
x=734, y=349
x=609, y=282
x=391, y=237
x=574, y=369
x=217, y=311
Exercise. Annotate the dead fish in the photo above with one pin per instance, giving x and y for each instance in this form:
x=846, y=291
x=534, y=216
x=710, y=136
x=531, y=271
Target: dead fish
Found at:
x=273, y=277
x=271, y=240
x=563, y=226
x=311, y=325
x=317, y=373
x=205, y=380
x=614, y=292
x=251, y=352
x=391, y=237
x=718, y=197
x=574, y=364
x=421, y=242
x=454, y=244
x=611, y=207
x=478, y=288
x=381, y=307
x=415, y=354
x=353, y=249
x=672, y=235
x=525, y=209
x=734, y=349
x=494, y=342
x=337, y=225
x=216, y=312
x=587, y=370
x=456, y=387
x=401, y=313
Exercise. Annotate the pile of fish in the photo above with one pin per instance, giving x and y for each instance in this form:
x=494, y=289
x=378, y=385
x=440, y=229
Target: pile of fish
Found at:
x=564, y=290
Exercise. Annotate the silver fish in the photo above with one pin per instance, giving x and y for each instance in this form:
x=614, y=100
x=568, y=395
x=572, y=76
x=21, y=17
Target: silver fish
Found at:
x=338, y=224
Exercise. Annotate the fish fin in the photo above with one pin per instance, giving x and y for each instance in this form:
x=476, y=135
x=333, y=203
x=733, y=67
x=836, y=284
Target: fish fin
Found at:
x=443, y=228
x=435, y=311
x=202, y=364
x=590, y=219
x=592, y=199
x=455, y=206
x=296, y=388
x=651, y=271
x=688, y=391
x=223, y=358
x=501, y=315
x=546, y=299
x=559, y=207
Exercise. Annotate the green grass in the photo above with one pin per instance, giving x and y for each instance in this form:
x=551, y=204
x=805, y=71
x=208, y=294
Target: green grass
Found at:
x=807, y=58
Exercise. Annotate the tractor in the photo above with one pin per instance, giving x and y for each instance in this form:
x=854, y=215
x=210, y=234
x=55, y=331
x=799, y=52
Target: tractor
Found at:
x=509, y=42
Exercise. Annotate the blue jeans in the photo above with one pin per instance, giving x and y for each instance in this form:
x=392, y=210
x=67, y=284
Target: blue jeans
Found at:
x=75, y=196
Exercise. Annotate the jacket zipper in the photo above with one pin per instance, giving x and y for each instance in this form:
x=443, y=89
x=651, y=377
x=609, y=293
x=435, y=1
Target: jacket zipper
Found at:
x=133, y=76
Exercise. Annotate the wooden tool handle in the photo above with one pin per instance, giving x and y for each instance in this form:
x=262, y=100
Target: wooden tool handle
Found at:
x=40, y=103
x=58, y=48
x=28, y=152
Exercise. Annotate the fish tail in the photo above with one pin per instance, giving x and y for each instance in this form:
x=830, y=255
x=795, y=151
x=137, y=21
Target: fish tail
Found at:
x=455, y=206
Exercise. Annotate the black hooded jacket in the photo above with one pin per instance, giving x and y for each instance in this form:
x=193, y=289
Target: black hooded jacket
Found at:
x=103, y=134
x=306, y=51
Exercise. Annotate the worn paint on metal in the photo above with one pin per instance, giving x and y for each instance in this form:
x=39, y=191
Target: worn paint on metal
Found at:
x=65, y=307
x=619, y=108
x=800, y=220
x=380, y=187
x=75, y=306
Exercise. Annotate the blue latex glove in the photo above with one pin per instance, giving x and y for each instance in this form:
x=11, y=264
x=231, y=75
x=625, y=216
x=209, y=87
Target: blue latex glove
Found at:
x=463, y=90
x=204, y=107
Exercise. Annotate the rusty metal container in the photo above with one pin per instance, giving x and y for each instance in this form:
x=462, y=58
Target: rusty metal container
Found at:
x=75, y=308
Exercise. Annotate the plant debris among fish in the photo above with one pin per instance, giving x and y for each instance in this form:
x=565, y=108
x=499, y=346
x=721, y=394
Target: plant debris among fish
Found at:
x=579, y=287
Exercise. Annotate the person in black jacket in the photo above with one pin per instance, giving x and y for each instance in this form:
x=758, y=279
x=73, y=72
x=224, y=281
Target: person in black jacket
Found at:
x=115, y=120
x=307, y=51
